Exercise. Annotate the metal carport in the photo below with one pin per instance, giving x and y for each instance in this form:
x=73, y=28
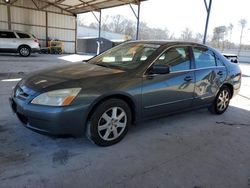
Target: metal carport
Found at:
x=54, y=19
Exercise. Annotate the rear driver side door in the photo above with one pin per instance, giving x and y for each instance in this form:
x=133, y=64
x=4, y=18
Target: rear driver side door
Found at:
x=170, y=92
x=210, y=74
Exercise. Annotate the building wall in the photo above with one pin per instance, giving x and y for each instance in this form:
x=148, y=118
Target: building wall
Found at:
x=3, y=17
x=62, y=27
x=50, y=23
x=89, y=45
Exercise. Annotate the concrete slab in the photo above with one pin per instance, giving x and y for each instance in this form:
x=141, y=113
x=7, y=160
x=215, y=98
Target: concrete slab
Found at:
x=194, y=149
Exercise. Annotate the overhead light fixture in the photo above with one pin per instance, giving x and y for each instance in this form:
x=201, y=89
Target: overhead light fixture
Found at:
x=7, y=1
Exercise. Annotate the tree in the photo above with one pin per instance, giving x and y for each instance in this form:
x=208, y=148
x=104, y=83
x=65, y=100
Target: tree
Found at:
x=117, y=24
x=243, y=24
x=80, y=20
x=147, y=33
x=230, y=29
x=122, y=25
x=105, y=23
x=130, y=29
x=198, y=37
x=187, y=35
x=93, y=25
x=219, y=36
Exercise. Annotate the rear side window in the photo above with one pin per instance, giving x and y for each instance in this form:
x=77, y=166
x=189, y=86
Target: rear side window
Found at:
x=23, y=35
x=219, y=62
x=203, y=58
x=176, y=58
x=7, y=34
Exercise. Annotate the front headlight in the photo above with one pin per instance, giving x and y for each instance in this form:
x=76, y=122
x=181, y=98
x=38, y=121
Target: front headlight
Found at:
x=62, y=97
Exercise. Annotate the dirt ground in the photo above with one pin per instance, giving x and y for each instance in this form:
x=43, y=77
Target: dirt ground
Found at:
x=189, y=150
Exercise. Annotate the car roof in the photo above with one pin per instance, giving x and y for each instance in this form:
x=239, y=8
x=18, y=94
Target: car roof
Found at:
x=168, y=42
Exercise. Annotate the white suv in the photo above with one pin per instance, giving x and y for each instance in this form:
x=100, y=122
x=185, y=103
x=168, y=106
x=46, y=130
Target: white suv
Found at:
x=18, y=41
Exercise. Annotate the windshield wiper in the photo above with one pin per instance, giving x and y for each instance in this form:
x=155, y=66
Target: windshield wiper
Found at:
x=106, y=65
x=103, y=65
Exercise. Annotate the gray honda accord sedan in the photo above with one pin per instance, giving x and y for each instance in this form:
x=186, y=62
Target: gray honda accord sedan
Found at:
x=131, y=82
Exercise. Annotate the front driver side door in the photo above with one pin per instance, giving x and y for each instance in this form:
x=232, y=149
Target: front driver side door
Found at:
x=170, y=92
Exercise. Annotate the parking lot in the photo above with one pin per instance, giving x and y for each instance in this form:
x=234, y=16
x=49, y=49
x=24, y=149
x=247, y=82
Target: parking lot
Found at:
x=194, y=149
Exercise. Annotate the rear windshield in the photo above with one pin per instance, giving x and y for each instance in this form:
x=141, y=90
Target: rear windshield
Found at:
x=23, y=35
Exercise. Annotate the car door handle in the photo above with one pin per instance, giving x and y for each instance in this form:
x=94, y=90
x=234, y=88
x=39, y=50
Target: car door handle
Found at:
x=188, y=78
x=220, y=73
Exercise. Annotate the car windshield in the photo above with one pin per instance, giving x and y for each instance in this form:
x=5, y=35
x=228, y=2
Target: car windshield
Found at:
x=125, y=56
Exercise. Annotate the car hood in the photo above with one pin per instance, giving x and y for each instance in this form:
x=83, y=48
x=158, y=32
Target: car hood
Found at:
x=73, y=74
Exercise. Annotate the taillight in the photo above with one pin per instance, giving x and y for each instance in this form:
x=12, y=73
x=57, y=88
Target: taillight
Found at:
x=35, y=40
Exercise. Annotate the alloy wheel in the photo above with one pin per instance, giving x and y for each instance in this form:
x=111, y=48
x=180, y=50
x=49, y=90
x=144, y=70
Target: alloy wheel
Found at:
x=112, y=123
x=223, y=100
x=24, y=51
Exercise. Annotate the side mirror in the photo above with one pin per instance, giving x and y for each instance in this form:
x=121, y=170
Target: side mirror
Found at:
x=159, y=69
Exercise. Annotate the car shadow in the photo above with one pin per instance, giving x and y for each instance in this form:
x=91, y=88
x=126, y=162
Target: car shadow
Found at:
x=22, y=146
x=176, y=123
x=196, y=116
x=16, y=55
x=9, y=54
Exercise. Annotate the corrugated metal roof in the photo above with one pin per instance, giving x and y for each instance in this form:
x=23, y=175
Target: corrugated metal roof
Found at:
x=82, y=6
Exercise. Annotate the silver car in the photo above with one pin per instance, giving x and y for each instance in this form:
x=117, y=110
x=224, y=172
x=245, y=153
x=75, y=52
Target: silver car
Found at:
x=18, y=42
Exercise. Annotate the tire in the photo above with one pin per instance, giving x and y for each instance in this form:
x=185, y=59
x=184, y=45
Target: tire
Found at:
x=24, y=51
x=109, y=123
x=221, y=101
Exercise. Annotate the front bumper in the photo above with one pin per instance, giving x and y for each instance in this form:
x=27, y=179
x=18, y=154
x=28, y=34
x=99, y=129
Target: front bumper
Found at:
x=52, y=120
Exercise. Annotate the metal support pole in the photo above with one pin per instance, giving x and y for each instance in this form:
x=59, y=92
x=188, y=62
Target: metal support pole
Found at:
x=46, y=29
x=99, y=20
x=137, y=18
x=99, y=42
x=9, y=16
x=76, y=27
x=100, y=25
x=208, y=9
x=138, y=21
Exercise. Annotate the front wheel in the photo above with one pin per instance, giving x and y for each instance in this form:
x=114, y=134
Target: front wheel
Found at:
x=221, y=101
x=24, y=51
x=109, y=123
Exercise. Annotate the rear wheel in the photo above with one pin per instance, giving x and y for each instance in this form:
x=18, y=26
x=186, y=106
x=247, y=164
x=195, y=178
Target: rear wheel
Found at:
x=24, y=51
x=221, y=101
x=109, y=123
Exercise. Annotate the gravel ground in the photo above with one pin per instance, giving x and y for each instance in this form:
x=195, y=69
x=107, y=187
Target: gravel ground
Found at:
x=191, y=150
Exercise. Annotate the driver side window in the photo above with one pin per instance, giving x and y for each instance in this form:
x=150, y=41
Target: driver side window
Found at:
x=176, y=58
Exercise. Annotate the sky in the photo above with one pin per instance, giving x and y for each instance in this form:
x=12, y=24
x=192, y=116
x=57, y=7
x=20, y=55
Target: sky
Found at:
x=176, y=15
